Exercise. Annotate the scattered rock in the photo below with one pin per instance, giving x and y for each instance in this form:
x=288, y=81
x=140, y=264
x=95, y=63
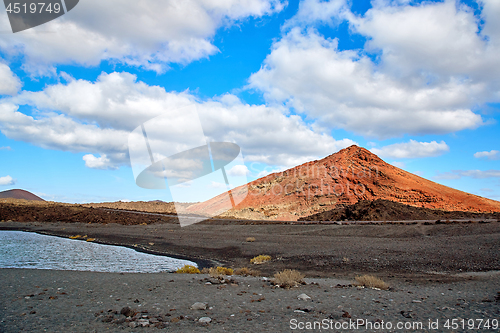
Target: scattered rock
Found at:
x=406, y=314
x=199, y=306
x=205, y=320
x=303, y=297
x=118, y=321
x=127, y=312
x=132, y=324
x=143, y=322
x=107, y=319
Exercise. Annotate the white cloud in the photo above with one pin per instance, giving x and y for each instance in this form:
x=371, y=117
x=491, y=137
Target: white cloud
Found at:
x=97, y=117
x=432, y=68
x=5, y=148
x=412, y=149
x=238, y=170
x=148, y=33
x=476, y=174
x=346, y=90
x=62, y=133
x=434, y=38
x=7, y=180
x=316, y=11
x=9, y=82
x=398, y=164
x=490, y=155
x=101, y=162
x=218, y=185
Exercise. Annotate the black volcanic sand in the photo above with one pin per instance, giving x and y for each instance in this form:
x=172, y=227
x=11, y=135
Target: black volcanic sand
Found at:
x=67, y=301
x=385, y=210
x=318, y=250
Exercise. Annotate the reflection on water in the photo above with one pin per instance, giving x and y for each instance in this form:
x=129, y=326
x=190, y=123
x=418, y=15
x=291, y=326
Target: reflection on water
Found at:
x=30, y=250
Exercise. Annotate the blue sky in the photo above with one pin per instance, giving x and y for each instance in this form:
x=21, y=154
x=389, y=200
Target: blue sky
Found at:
x=418, y=83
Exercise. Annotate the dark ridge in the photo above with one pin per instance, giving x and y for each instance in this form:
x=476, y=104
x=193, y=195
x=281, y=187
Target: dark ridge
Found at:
x=19, y=194
x=385, y=210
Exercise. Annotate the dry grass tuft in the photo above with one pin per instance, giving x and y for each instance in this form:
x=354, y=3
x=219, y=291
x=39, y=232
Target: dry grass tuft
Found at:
x=260, y=259
x=244, y=271
x=250, y=239
x=218, y=272
x=288, y=278
x=370, y=281
x=188, y=269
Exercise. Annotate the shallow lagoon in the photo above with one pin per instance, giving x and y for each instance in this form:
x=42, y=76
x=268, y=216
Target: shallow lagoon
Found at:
x=20, y=249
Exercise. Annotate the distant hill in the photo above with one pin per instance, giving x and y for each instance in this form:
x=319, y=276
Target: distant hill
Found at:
x=19, y=194
x=344, y=178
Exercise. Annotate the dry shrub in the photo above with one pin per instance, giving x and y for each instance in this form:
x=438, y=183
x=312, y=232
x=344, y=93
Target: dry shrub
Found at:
x=260, y=259
x=244, y=271
x=370, y=281
x=250, y=239
x=288, y=278
x=217, y=272
x=188, y=269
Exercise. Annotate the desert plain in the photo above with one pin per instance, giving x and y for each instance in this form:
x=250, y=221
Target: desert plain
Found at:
x=436, y=272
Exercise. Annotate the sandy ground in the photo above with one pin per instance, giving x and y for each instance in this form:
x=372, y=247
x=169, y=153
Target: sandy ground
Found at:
x=436, y=272
x=66, y=301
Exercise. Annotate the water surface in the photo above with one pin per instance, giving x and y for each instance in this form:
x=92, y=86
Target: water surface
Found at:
x=20, y=249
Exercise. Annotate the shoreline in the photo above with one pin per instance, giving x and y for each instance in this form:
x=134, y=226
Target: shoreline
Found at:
x=408, y=251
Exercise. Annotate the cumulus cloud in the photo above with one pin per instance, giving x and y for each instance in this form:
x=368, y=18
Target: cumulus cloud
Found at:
x=7, y=180
x=96, y=118
x=489, y=155
x=432, y=68
x=476, y=174
x=9, y=82
x=147, y=33
x=238, y=170
x=101, y=162
x=412, y=149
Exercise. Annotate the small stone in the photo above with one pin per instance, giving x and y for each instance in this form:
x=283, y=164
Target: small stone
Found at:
x=132, y=324
x=107, y=319
x=303, y=297
x=406, y=314
x=118, y=321
x=205, y=320
x=127, y=312
x=143, y=322
x=416, y=301
x=199, y=306
x=346, y=315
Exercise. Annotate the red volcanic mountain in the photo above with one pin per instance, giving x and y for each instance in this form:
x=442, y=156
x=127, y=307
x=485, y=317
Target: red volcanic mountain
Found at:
x=345, y=177
x=19, y=194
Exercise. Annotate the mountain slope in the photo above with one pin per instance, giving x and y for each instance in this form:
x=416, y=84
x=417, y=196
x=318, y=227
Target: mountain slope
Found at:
x=19, y=194
x=343, y=178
